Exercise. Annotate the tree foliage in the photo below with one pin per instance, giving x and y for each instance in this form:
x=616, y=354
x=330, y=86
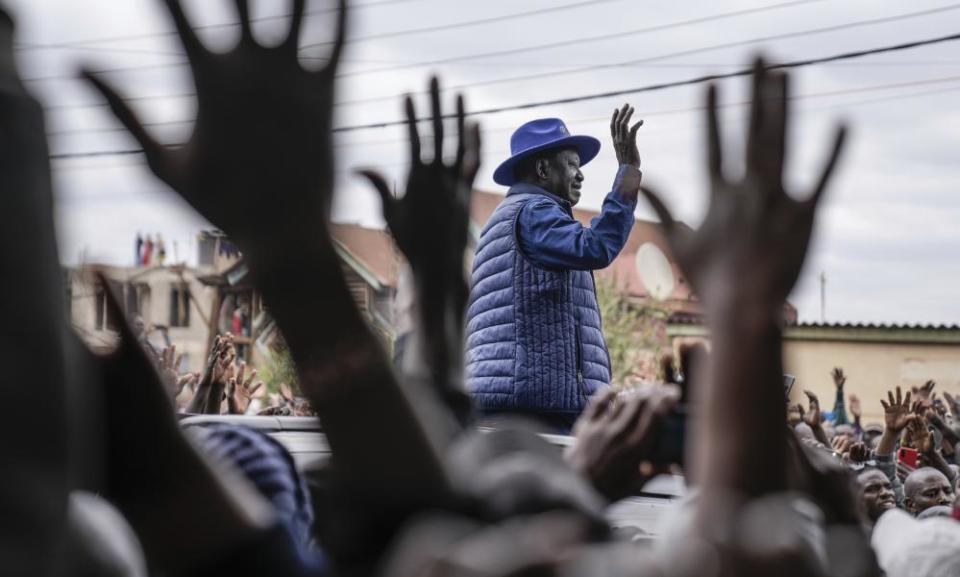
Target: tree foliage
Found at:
x=635, y=332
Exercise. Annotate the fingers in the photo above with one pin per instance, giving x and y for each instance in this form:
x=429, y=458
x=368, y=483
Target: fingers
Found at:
x=599, y=404
x=900, y=396
x=255, y=388
x=379, y=184
x=243, y=14
x=471, y=160
x=461, y=134
x=437, y=117
x=633, y=131
x=178, y=362
x=839, y=139
x=614, y=122
x=666, y=219
x=191, y=44
x=886, y=407
x=339, y=39
x=625, y=115
x=152, y=150
x=241, y=371
x=906, y=399
x=767, y=136
x=412, y=132
x=292, y=42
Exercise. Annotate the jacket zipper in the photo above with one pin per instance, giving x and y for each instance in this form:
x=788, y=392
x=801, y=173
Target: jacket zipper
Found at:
x=580, y=386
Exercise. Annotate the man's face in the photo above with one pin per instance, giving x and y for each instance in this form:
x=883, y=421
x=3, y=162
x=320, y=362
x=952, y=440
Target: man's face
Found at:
x=877, y=493
x=564, y=177
x=926, y=488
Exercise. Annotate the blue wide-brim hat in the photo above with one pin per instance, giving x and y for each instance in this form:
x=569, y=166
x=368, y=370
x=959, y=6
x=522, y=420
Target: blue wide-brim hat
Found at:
x=538, y=135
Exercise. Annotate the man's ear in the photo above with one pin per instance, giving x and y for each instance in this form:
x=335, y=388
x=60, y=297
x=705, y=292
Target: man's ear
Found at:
x=542, y=167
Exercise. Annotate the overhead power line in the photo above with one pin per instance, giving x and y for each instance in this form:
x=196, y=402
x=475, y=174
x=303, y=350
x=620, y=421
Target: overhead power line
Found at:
x=586, y=40
x=612, y=93
x=20, y=46
x=674, y=84
x=571, y=42
x=646, y=60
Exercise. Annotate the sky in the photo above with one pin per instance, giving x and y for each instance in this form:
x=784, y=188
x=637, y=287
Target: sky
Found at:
x=885, y=239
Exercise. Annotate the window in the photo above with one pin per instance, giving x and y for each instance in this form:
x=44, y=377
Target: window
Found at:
x=180, y=306
x=104, y=316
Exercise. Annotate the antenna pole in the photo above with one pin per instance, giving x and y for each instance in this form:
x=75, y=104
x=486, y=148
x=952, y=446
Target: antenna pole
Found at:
x=823, y=296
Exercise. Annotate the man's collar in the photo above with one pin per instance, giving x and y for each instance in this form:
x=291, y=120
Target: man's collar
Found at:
x=528, y=188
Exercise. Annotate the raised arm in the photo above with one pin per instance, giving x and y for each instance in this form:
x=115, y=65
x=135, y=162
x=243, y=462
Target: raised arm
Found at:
x=552, y=238
x=35, y=458
x=743, y=261
x=259, y=164
x=430, y=224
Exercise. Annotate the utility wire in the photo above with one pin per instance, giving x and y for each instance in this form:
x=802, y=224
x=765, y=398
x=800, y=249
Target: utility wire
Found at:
x=571, y=42
x=861, y=102
x=680, y=65
x=586, y=40
x=687, y=82
x=608, y=94
x=379, y=36
x=172, y=33
x=645, y=113
x=583, y=69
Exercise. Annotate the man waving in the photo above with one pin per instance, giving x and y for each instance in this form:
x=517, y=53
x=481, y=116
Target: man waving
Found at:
x=534, y=339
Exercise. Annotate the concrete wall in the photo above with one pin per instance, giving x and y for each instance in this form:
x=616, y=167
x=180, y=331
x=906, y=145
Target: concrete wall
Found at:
x=191, y=340
x=875, y=359
x=872, y=368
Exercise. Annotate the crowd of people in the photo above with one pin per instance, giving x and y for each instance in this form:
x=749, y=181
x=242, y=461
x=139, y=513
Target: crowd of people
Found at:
x=109, y=483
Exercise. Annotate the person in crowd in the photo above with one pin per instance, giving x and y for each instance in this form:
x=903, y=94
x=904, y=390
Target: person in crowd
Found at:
x=927, y=487
x=877, y=492
x=534, y=337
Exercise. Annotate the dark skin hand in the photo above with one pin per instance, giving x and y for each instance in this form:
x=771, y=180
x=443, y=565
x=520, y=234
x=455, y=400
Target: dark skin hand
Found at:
x=924, y=392
x=743, y=261
x=34, y=499
x=813, y=418
x=855, y=410
x=430, y=224
x=954, y=406
x=259, y=165
x=920, y=438
x=625, y=146
x=156, y=478
x=213, y=381
x=839, y=379
x=616, y=434
x=896, y=416
x=241, y=389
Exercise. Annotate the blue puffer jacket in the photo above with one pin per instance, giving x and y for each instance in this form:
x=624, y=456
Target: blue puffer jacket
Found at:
x=534, y=339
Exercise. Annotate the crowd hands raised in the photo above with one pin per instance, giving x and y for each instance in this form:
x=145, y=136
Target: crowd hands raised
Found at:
x=224, y=385
x=413, y=488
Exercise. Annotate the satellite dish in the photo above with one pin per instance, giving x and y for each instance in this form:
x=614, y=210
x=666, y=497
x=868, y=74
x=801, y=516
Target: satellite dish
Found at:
x=655, y=271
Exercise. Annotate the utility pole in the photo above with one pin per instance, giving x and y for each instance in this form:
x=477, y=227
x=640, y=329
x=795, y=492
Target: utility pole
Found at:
x=823, y=296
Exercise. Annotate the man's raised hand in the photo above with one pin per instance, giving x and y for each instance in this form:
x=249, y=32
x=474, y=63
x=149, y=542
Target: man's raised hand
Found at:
x=259, y=162
x=624, y=136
